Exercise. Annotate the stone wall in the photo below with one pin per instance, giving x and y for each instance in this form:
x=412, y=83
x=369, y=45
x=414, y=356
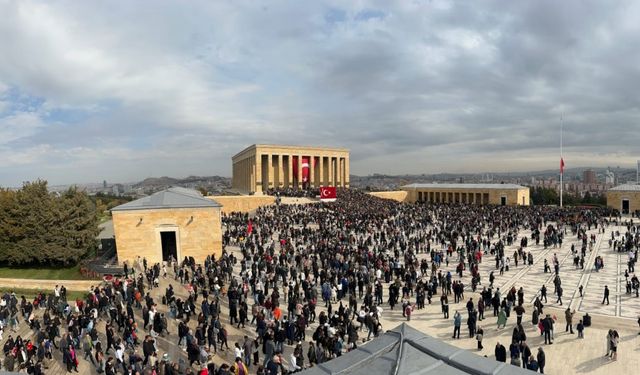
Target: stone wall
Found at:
x=614, y=199
x=400, y=195
x=242, y=203
x=514, y=197
x=78, y=285
x=198, y=233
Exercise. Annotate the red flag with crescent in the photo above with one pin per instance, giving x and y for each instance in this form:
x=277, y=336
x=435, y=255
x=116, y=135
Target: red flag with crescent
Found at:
x=305, y=168
x=561, y=165
x=328, y=193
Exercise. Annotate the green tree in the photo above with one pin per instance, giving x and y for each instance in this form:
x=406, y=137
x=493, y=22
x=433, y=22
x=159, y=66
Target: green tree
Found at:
x=202, y=191
x=544, y=196
x=38, y=228
x=569, y=199
x=78, y=223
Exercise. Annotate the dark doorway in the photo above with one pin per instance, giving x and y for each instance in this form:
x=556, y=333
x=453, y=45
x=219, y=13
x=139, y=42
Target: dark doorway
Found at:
x=503, y=201
x=169, y=248
x=107, y=246
x=625, y=206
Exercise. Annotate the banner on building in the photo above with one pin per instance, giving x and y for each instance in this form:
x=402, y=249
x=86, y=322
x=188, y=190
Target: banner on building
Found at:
x=305, y=169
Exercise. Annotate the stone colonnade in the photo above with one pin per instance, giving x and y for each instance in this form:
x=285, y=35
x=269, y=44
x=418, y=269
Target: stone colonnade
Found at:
x=262, y=167
x=496, y=194
x=453, y=197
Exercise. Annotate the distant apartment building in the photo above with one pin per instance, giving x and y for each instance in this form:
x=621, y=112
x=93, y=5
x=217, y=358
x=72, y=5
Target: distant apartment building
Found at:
x=589, y=177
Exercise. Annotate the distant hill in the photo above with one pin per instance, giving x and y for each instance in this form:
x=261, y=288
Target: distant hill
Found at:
x=156, y=181
x=212, y=184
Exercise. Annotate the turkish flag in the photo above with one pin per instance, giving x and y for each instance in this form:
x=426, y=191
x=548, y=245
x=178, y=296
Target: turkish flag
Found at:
x=305, y=168
x=561, y=165
x=249, y=227
x=328, y=193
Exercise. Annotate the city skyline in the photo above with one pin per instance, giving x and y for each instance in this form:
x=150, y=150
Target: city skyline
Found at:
x=92, y=91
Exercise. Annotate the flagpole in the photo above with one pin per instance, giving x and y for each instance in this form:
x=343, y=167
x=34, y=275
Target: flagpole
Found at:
x=561, y=160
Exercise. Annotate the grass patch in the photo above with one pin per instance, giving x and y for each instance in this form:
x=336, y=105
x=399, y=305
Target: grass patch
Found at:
x=44, y=273
x=30, y=294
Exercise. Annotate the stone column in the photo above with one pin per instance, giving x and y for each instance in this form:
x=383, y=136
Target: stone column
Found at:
x=289, y=171
x=338, y=171
x=339, y=168
x=329, y=171
x=280, y=171
x=346, y=171
x=247, y=174
x=274, y=163
x=341, y=172
x=251, y=181
x=258, y=174
x=251, y=173
x=321, y=181
x=270, y=183
x=312, y=177
x=299, y=166
x=332, y=168
x=316, y=171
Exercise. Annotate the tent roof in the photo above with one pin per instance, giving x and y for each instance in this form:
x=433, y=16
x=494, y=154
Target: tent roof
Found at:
x=414, y=353
x=174, y=197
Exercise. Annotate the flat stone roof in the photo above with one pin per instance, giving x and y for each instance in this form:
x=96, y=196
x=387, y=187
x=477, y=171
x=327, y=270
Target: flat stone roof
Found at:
x=465, y=186
x=174, y=197
x=292, y=147
x=626, y=187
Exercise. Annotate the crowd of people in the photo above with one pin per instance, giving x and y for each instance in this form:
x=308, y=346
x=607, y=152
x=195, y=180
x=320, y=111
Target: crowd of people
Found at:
x=306, y=283
x=293, y=193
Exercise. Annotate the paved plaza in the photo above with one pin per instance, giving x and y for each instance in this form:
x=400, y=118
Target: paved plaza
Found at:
x=567, y=355
x=531, y=278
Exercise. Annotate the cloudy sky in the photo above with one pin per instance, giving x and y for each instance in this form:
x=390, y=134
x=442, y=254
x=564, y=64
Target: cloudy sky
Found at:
x=123, y=90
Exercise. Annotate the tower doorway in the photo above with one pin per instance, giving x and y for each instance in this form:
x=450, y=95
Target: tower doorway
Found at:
x=625, y=206
x=169, y=247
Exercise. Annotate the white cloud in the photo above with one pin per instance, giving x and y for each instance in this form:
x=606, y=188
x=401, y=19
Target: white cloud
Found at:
x=192, y=83
x=19, y=126
x=26, y=156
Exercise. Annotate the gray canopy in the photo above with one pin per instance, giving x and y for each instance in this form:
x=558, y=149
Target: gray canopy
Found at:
x=405, y=350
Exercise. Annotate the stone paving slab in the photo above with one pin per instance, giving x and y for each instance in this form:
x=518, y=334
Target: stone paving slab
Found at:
x=566, y=355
